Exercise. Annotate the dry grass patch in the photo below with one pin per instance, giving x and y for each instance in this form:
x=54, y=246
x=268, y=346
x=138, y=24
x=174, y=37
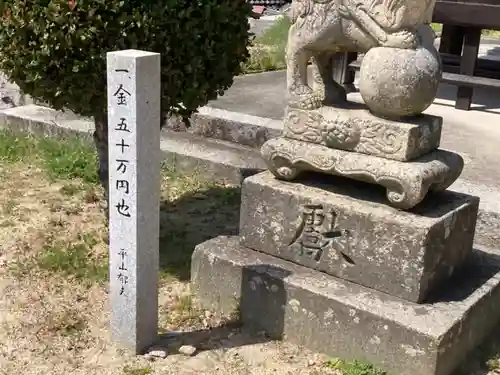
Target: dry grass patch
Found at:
x=48, y=312
x=53, y=282
x=53, y=258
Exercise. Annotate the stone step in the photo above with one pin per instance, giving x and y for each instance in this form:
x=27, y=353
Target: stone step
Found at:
x=342, y=319
x=236, y=127
x=211, y=159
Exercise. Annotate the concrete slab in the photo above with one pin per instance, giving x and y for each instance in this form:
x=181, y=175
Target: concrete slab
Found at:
x=346, y=320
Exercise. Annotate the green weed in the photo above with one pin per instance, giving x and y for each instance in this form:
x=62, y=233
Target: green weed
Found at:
x=74, y=259
x=354, y=367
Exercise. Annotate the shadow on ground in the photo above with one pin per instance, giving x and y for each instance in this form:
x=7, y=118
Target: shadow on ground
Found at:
x=257, y=319
x=226, y=336
x=192, y=219
x=484, y=99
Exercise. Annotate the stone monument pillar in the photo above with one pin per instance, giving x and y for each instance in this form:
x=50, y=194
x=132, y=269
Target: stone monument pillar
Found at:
x=350, y=244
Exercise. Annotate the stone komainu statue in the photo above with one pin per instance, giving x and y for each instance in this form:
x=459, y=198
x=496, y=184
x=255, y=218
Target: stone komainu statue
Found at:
x=321, y=28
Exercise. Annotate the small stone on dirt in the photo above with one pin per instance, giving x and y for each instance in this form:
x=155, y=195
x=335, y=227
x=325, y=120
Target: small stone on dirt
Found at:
x=157, y=353
x=187, y=350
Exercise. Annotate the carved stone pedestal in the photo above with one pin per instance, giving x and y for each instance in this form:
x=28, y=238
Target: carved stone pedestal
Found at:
x=324, y=259
x=407, y=183
x=346, y=230
x=324, y=262
x=349, y=141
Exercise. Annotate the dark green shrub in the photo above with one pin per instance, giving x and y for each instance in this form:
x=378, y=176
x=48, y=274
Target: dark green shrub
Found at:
x=55, y=50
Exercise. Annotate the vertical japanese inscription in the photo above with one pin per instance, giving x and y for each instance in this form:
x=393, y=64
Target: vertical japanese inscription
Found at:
x=316, y=234
x=122, y=268
x=124, y=135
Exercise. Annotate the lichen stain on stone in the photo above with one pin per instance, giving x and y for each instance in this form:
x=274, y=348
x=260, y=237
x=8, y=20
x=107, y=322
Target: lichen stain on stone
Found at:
x=252, y=285
x=257, y=280
x=260, y=231
x=375, y=340
x=294, y=304
x=328, y=316
x=211, y=259
x=259, y=209
x=412, y=351
x=448, y=224
x=276, y=227
x=407, y=285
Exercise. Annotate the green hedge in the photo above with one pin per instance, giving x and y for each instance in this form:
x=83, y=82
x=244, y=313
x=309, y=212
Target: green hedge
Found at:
x=55, y=50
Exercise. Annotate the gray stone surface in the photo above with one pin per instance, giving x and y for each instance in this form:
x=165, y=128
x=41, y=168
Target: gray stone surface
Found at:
x=345, y=229
x=43, y=121
x=345, y=320
x=134, y=118
x=210, y=159
x=354, y=128
x=398, y=82
x=407, y=183
x=234, y=127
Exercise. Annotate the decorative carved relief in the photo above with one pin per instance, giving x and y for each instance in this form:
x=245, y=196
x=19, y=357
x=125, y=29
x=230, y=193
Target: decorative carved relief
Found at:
x=343, y=129
x=316, y=234
x=406, y=183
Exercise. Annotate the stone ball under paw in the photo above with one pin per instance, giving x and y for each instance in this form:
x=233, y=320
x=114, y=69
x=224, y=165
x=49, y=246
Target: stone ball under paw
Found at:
x=397, y=83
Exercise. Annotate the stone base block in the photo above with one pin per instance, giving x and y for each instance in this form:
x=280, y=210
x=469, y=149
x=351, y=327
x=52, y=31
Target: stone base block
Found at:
x=355, y=128
x=342, y=319
x=407, y=183
x=344, y=229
